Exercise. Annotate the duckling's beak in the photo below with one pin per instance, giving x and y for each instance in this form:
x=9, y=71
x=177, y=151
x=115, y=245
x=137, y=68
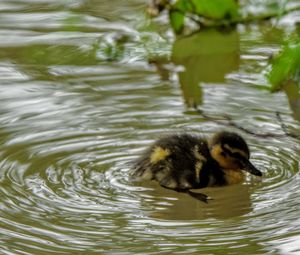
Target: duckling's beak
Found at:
x=252, y=169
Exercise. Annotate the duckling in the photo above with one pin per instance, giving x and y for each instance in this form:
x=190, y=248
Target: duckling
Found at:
x=183, y=161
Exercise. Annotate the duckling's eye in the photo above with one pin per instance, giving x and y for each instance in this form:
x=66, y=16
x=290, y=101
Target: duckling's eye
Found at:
x=239, y=163
x=223, y=154
x=237, y=155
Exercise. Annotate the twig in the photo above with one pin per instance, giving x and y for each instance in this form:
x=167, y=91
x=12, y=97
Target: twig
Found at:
x=284, y=127
x=209, y=22
x=231, y=123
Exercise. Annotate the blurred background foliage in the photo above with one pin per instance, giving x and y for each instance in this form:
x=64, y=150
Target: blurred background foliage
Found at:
x=215, y=21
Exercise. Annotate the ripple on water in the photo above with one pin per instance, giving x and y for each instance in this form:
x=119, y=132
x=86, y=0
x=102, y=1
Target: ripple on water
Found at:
x=67, y=143
x=65, y=187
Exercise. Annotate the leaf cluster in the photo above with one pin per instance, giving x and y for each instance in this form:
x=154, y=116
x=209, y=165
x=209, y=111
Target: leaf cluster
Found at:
x=201, y=9
x=285, y=66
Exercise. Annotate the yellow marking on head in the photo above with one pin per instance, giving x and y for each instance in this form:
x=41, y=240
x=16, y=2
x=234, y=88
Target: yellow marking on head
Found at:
x=234, y=176
x=224, y=162
x=199, y=164
x=233, y=150
x=159, y=154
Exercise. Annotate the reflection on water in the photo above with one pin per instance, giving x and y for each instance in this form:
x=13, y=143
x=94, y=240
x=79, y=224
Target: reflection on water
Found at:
x=226, y=202
x=71, y=123
x=293, y=94
x=207, y=57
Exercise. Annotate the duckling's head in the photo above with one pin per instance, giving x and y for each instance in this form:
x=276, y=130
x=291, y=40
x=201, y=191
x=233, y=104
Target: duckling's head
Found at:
x=231, y=152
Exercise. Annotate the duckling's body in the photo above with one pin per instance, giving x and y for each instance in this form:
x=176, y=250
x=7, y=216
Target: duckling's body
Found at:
x=183, y=162
x=179, y=162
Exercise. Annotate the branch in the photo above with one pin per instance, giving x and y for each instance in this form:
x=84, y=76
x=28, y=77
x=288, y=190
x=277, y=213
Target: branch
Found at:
x=284, y=127
x=209, y=22
x=227, y=121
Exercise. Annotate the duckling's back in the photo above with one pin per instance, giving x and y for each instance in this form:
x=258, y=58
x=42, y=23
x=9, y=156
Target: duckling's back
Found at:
x=176, y=162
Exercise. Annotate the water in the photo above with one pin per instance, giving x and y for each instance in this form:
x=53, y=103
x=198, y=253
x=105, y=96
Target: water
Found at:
x=73, y=116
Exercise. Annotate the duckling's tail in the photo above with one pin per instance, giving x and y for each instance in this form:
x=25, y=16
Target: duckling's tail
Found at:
x=141, y=172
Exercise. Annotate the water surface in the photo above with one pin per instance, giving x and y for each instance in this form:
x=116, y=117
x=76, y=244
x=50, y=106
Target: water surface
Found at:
x=77, y=105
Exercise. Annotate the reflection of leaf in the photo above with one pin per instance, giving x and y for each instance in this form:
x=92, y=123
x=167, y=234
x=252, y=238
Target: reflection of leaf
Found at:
x=206, y=57
x=292, y=91
x=286, y=66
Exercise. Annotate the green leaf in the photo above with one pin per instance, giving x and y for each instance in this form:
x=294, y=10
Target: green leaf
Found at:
x=177, y=14
x=212, y=9
x=216, y=9
x=177, y=21
x=285, y=67
x=184, y=6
